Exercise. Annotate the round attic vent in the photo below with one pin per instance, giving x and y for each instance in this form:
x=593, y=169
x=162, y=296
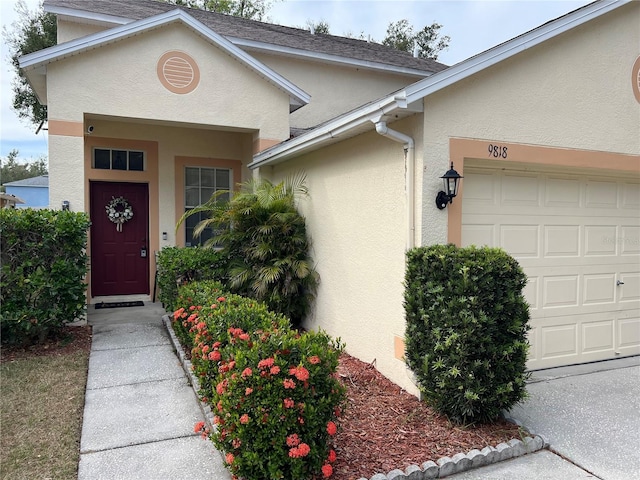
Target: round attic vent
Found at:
x=635, y=79
x=178, y=72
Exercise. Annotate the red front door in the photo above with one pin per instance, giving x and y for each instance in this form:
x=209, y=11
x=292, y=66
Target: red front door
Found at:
x=119, y=259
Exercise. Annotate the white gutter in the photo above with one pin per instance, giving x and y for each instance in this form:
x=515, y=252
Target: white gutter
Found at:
x=409, y=156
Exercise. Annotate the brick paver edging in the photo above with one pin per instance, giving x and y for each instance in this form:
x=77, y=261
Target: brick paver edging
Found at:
x=444, y=467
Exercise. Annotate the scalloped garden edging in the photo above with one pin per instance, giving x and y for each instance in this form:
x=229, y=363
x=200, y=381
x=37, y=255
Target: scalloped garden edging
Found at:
x=444, y=467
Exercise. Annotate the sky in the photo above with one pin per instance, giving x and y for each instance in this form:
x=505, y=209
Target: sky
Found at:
x=473, y=25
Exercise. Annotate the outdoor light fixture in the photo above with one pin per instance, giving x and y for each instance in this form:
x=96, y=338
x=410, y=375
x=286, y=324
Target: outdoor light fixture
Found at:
x=65, y=205
x=451, y=181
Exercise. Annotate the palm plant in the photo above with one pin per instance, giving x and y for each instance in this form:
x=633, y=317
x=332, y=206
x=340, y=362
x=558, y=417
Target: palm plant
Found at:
x=265, y=239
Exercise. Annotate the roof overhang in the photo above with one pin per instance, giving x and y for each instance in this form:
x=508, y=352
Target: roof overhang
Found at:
x=405, y=101
x=34, y=64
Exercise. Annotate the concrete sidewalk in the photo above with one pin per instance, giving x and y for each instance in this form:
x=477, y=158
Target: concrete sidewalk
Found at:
x=140, y=409
x=589, y=414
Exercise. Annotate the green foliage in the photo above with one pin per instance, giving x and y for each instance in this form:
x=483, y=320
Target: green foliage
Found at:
x=250, y=9
x=11, y=170
x=401, y=36
x=273, y=391
x=467, y=321
x=265, y=239
x=43, y=266
x=33, y=31
x=177, y=266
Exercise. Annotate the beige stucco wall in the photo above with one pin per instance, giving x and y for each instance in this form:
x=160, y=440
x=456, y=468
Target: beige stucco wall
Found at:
x=573, y=91
x=66, y=175
x=356, y=220
x=71, y=30
x=120, y=79
x=334, y=89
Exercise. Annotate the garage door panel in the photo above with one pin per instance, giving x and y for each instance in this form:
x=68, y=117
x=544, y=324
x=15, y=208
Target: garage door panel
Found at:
x=560, y=291
x=631, y=196
x=575, y=236
x=522, y=240
x=629, y=335
x=629, y=240
x=630, y=289
x=562, y=193
x=600, y=240
x=601, y=194
x=598, y=289
x=562, y=240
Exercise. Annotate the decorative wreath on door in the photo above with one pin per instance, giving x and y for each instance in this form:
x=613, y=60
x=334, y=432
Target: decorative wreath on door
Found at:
x=119, y=211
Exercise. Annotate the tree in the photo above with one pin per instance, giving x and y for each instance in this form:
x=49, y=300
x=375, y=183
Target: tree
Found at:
x=401, y=36
x=250, y=9
x=320, y=27
x=265, y=240
x=32, y=31
x=12, y=170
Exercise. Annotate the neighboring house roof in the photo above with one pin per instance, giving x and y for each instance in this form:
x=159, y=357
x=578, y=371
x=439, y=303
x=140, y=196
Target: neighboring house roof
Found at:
x=33, y=62
x=408, y=100
x=41, y=181
x=253, y=35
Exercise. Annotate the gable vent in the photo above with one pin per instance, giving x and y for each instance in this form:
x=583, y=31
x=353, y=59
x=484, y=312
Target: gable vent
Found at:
x=178, y=72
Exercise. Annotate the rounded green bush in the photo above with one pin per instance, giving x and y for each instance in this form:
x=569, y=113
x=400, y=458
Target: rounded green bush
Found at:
x=467, y=321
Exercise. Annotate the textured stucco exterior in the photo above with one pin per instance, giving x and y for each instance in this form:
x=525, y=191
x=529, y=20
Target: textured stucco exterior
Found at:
x=229, y=94
x=334, y=89
x=573, y=91
x=356, y=218
x=71, y=30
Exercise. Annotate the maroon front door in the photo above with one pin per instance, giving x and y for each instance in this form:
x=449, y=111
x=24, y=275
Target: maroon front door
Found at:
x=119, y=259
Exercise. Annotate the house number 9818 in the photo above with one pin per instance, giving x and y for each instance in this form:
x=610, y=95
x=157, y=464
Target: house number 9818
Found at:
x=497, y=151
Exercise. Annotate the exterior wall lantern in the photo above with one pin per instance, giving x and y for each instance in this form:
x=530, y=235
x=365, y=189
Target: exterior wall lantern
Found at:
x=451, y=181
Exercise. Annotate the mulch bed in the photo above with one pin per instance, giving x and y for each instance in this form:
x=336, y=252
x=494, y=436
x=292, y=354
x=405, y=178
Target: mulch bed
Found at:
x=69, y=340
x=385, y=427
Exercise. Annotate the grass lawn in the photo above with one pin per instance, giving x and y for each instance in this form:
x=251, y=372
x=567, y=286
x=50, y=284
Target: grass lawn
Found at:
x=42, y=400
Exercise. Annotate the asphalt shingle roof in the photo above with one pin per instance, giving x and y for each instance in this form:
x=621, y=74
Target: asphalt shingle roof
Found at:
x=279, y=35
x=41, y=181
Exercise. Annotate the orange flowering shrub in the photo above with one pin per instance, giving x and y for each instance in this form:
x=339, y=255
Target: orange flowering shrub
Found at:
x=273, y=391
x=276, y=401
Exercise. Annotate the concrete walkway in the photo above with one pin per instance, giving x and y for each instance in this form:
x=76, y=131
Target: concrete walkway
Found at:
x=589, y=414
x=140, y=409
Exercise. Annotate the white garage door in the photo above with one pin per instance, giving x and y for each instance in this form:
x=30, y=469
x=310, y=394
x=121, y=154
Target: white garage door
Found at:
x=577, y=238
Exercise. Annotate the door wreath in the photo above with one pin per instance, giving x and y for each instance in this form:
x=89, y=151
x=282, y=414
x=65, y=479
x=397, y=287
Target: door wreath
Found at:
x=119, y=211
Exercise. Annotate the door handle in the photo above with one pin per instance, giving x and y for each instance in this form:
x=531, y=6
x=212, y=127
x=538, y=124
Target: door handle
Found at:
x=618, y=283
x=143, y=252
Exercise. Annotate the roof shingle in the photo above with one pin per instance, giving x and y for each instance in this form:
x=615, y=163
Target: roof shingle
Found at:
x=241, y=28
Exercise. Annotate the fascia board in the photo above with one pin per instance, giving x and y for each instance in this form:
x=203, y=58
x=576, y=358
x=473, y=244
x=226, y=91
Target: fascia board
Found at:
x=330, y=130
x=298, y=97
x=99, y=18
x=325, y=57
x=473, y=65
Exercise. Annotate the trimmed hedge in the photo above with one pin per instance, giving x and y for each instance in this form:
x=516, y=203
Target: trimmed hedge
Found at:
x=467, y=321
x=44, y=262
x=178, y=266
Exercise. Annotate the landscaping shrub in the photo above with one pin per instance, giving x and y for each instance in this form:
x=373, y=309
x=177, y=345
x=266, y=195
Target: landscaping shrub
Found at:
x=467, y=321
x=207, y=320
x=196, y=295
x=273, y=391
x=42, y=275
x=182, y=265
x=265, y=239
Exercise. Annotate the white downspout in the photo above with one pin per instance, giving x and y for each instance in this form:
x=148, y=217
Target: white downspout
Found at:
x=409, y=155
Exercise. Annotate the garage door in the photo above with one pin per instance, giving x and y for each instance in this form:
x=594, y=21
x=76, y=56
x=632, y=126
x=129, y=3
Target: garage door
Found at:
x=577, y=238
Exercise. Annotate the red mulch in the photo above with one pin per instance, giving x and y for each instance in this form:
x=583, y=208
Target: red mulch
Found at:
x=69, y=340
x=385, y=427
